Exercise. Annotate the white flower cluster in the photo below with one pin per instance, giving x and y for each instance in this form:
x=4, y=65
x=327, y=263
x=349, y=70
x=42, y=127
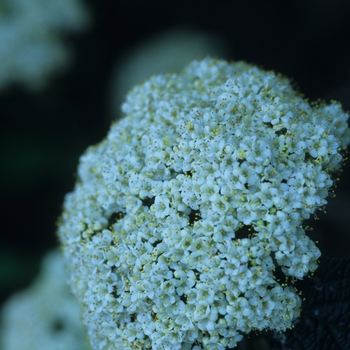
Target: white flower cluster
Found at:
x=31, y=48
x=44, y=316
x=181, y=216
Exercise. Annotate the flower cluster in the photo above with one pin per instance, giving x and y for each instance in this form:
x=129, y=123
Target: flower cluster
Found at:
x=181, y=216
x=30, y=45
x=44, y=316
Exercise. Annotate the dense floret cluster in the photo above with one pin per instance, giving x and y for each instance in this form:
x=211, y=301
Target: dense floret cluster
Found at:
x=44, y=316
x=31, y=47
x=180, y=217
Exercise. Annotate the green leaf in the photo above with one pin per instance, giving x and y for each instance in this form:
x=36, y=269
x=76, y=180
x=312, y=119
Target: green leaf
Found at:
x=325, y=319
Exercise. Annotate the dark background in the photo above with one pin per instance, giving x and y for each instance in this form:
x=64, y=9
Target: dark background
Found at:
x=42, y=135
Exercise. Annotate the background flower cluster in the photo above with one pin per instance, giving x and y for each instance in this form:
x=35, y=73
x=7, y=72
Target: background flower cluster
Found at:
x=32, y=47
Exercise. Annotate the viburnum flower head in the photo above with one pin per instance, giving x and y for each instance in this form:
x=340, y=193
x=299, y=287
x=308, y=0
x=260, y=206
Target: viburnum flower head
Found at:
x=155, y=231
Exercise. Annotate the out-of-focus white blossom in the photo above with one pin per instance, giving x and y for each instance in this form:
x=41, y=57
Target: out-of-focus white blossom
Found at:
x=31, y=45
x=167, y=51
x=44, y=316
x=181, y=216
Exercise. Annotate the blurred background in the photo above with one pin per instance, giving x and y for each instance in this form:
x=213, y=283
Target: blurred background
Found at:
x=45, y=130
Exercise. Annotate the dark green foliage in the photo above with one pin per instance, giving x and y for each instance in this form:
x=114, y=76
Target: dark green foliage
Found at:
x=325, y=320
